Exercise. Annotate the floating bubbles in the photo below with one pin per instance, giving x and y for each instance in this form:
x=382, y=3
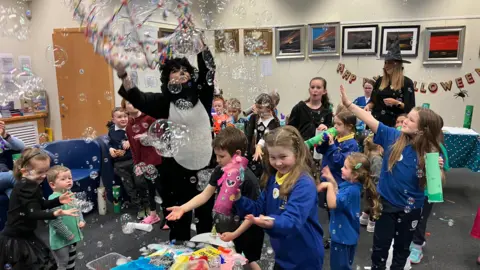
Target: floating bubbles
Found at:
x=94, y=158
x=125, y=221
x=174, y=86
x=99, y=244
x=56, y=56
x=183, y=104
x=407, y=209
x=168, y=137
x=196, y=220
x=193, y=179
x=108, y=95
x=80, y=255
x=93, y=174
x=13, y=23
x=411, y=201
x=89, y=134
x=136, y=128
x=82, y=97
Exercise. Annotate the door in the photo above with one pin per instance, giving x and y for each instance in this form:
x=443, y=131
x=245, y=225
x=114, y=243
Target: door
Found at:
x=85, y=86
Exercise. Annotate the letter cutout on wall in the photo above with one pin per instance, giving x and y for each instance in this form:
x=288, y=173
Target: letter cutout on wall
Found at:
x=433, y=87
x=469, y=78
x=478, y=71
x=352, y=78
x=447, y=86
x=340, y=68
x=422, y=88
x=459, y=82
x=346, y=75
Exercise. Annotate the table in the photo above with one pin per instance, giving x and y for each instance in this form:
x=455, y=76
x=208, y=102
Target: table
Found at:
x=463, y=151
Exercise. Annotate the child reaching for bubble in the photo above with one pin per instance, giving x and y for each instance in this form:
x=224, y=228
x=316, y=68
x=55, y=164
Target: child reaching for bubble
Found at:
x=402, y=179
x=344, y=201
x=287, y=206
x=229, y=146
x=21, y=248
x=65, y=231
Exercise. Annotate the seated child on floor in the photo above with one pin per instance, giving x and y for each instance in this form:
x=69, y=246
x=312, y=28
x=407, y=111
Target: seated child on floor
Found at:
x=231, y=175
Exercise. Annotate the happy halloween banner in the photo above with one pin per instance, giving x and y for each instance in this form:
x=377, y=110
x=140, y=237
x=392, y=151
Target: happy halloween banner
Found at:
x=432, y=87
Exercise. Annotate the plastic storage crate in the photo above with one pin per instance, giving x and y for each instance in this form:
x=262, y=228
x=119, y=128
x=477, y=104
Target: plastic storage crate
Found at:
x=106, y=262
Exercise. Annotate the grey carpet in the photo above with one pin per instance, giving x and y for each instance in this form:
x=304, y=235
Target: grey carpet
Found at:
x=448, y=247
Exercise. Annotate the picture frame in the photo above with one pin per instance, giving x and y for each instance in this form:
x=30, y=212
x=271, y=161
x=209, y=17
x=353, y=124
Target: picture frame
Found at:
x=290, y=42
x=408, y=35
x=231, y=36
x=444, y=45
x=360, y=40
x=323, y=39
x=163, y=32
x=261, y=35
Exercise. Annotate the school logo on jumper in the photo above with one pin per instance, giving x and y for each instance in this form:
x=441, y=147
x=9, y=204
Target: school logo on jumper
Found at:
x=276, y=193
x=414, y=224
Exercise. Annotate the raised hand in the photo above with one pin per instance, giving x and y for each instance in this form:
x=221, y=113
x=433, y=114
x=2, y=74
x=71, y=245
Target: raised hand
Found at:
x=345, y=101
x=66, y=197
x=176, y=213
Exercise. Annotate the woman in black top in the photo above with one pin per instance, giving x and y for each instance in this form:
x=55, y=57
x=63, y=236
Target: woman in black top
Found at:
x=393, y=93
x=315, y=112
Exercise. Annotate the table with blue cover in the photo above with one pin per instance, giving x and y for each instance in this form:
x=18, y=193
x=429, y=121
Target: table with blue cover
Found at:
x=463, y=151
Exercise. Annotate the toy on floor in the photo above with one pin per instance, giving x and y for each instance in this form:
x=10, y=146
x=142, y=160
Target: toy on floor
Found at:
x=116, y=199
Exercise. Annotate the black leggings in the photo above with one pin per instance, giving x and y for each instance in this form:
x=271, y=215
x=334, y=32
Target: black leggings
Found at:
x=177, y=189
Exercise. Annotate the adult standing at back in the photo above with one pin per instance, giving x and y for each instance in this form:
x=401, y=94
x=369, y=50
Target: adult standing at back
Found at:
x=393, y=93
x=315, y=112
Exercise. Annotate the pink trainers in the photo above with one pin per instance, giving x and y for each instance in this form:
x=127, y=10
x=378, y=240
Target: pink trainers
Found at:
x=165, y=227
x=151, y=220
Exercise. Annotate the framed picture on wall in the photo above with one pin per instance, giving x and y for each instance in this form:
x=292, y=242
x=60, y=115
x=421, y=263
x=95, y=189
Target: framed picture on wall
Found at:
x=360, y=40
x=163, y=32
x=257, y=41
x=323, y=39
x=290, y=42
x=408, y=37
x=444, y=45
x=227, y=40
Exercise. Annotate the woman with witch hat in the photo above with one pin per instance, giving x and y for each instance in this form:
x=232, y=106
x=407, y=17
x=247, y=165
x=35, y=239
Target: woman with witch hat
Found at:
x=393, y=93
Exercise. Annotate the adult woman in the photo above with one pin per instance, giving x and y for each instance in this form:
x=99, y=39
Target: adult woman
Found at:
x=315, y=112
x=393, y=93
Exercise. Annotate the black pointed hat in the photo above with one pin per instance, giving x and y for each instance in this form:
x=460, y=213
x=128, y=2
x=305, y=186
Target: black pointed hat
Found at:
x=394, y=53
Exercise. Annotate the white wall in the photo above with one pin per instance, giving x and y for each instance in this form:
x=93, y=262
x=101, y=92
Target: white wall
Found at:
x=291, y=77
x=51, y=14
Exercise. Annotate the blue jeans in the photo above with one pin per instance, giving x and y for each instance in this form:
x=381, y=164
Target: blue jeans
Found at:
x=7, y=181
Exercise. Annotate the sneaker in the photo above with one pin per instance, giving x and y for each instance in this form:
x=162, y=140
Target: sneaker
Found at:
x=371, y=226
x=413, y=244
x=326, y=243
x=416, y=254
x=364, y=218
x=151, y=220
x=141, y=214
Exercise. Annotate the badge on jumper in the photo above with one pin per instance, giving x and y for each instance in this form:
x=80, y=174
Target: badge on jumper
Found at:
x=276, y=193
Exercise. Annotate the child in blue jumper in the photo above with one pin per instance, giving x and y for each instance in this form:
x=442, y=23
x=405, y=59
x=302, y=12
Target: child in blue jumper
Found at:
x=402, y=179
x=344, y=202
x=337, y=149
x=287, y=207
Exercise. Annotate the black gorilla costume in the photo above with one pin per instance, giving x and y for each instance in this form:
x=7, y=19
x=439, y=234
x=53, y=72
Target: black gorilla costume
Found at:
x=179, y=174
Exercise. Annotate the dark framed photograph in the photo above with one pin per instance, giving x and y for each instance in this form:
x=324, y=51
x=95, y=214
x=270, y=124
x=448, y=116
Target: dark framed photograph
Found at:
x=290, y=42
x=408, y=37
x=444, y=45
x=360, y=40
x=227, y=40
x=163, y=32
x=258, y=41
x=323, y=39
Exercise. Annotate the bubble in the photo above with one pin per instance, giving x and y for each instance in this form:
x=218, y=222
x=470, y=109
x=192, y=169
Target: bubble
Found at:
x=399, y=220
x=168, y=137
x=420, y=173
x=145, y=125
x=334, y=231
x=236, y=218
x=267, y=15
x=183, y=104
x=99, y=244
x=339, y=226
x=94, y=174
x=94, y=158
x=55, y=161
x=111, y=236
x=90, y=166
x=88, y=162
x=80, y=255
x=56, y=155
x=56, y=56
x=108, y=95
x=193, y=179
x=450, y=222
x=82, y=97
x=158, y=200
x=407, y=209
x=136, y=128
x=210, y=77
x=405, y=191
x=411, y=200
x=269, y=251
x=195, y=220
x=105, y=160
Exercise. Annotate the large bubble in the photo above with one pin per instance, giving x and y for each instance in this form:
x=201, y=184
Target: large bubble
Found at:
x=168, y=137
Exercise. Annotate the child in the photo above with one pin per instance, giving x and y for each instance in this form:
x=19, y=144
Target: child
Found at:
x=362, y=101
x=65, y=232
x=400, y=119
x=234, y=107
x=344, y=200
x=122, y=158
x=259, y=125
x=402, y=179
x=315, y=112
x=20, y=247
x=229, y=145
x=146, y=160
x=374, y=152
x=220, y=118
x=475, y=232
x=287, y=207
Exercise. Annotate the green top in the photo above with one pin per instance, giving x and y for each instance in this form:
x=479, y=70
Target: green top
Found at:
x=62, y=228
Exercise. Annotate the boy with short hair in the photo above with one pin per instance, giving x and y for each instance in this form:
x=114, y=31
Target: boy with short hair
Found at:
x=65, y=231
x=230, y=143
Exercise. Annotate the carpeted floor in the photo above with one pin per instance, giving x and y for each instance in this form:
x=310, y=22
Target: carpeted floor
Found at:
x=448, y=247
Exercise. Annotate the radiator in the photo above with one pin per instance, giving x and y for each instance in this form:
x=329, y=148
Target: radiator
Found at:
x=26, y=131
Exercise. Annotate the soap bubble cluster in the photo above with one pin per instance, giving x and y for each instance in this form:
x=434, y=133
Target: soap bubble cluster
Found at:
x=168, y=137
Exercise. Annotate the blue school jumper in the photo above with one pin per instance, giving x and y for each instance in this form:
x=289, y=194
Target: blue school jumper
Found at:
x=400, y=187
x=345, y=226
x=296, y=236
x=334, y=155
x=361, y=102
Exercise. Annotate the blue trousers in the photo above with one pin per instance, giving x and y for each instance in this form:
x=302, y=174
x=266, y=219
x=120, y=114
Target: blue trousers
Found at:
x=341, y=256
x=7, y=181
